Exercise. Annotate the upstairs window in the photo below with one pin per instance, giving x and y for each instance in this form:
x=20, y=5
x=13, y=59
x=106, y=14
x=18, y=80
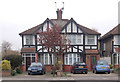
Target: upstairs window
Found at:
x=104, y=46
x=74, y=39
x=29, y=40
x=117, y=40
x=91, y=39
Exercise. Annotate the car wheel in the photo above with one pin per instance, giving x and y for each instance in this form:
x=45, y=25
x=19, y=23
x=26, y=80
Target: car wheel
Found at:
x=73, y=72
x=28, y=73
x=85, y=72
x=95, y=72
x=42, y=72
x=108, y=72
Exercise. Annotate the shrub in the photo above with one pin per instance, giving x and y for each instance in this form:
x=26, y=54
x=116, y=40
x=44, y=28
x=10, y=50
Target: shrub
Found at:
x=18, y=70
x=13, y=72
x=111, y=66
x=15, y=60
x=6, y=65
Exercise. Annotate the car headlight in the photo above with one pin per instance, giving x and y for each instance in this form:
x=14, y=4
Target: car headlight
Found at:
x=29, y=69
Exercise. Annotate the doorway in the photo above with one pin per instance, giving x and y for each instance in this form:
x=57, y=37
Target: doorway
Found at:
x=93, y=60
x=28, y=62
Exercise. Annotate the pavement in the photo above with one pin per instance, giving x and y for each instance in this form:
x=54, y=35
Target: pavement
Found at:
x=70, y=76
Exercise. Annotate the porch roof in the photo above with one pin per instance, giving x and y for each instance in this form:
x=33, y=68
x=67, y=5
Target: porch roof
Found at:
x=28, y=50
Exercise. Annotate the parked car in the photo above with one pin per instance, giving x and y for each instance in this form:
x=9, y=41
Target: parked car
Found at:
x=79, y=67
x=101, y=66
x=36, y=68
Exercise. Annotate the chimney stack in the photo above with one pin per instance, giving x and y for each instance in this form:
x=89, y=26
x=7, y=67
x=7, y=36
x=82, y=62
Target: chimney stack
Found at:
x=59, y=14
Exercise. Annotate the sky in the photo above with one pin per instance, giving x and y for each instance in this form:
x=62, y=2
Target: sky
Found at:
x=17, y=16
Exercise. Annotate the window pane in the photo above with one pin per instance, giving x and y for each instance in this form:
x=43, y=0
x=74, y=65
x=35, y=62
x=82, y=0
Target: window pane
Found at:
x=74, y=58
x=78, y=57
x=90, y=39
x=46, y=58
x=78, y=38
x=73, y=39
x=70, y=59
x=33, y=59
x=66, y=59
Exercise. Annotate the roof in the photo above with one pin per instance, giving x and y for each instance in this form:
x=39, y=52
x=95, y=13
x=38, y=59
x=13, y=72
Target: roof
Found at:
x=59, y=23
x=31, y=30
x=28, y=50
x=88, y=31
x=91, y=52
x=114, y=31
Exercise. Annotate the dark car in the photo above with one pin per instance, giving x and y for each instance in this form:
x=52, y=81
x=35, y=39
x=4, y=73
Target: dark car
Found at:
x=36, y=68
x=79, y=67
x=101, y=66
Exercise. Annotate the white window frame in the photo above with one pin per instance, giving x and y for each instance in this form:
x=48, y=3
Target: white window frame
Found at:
x=24, y=55
x=29, y=39
x=104, y=46
x=74, y=39
x=72, y=58
x=91, y=38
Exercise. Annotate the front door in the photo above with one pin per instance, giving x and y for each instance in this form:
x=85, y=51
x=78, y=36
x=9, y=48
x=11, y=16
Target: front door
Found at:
x=93, y=60
x=28, y=62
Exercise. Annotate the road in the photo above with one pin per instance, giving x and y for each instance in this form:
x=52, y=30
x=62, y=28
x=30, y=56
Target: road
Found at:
x=89, y=76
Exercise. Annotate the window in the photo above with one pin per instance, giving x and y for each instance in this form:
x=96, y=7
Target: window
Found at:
x=78, y=39
x=117, y=40
x=104, y=46
x=33, y=59
x=71, y=58
x=46, y=58
x=74, y=39
x=66, y=59
x=90, y=39
x=78, y=58
x=74, y=58
x=29, y=40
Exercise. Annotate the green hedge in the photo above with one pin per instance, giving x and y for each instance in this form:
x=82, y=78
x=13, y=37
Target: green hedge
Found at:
x=15, y=60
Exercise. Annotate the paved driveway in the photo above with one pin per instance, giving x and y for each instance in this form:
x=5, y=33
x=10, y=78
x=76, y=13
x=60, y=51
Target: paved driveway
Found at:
x=89, y=76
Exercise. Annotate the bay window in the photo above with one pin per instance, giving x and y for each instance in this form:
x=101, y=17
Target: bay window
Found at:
x=69, y=59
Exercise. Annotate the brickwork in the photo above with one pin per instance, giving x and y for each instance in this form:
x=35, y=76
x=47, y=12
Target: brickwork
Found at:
x=23, y=68
x=67, y=68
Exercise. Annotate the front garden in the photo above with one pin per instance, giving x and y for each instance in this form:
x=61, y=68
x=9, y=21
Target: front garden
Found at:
x=10, y=65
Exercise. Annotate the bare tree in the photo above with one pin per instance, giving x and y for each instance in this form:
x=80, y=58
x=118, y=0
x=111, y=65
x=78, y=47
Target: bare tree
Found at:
x=6, y=47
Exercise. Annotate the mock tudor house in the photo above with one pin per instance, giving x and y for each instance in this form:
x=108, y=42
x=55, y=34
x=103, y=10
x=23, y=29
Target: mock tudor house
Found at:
x=110, y=46
x=83, y=46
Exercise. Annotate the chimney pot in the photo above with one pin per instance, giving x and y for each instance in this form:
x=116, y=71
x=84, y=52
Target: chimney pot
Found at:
x=59, y=14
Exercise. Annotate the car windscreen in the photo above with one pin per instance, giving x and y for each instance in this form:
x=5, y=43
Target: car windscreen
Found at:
x=102, y=63
x=80, y=63
x=36, y=65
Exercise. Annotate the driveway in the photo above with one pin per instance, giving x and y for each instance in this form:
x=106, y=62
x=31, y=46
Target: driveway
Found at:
x=48, y=76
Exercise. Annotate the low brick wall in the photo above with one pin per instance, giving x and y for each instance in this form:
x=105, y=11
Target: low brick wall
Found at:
x=66, y=68
x=6, y=73
x=48, y=68
x=23, y=68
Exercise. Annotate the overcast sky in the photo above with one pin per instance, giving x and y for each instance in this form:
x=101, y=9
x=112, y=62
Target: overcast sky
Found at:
x=19, y=15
